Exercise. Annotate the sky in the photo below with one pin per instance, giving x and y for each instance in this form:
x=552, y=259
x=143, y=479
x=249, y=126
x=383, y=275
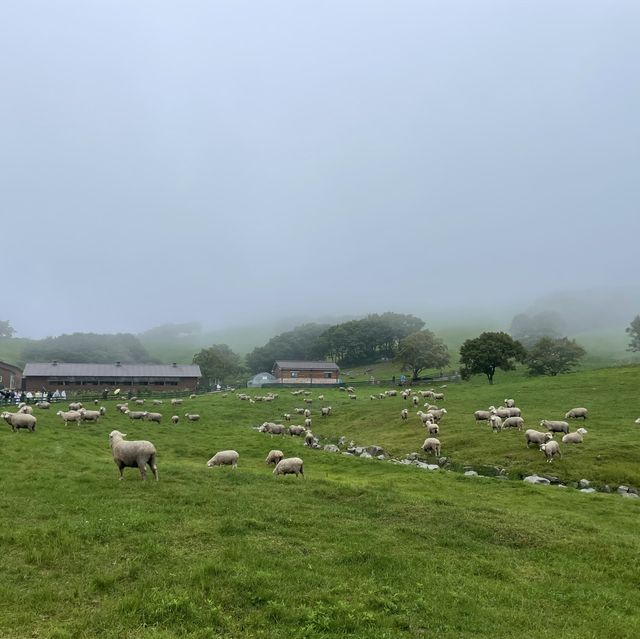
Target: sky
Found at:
x=225, y=162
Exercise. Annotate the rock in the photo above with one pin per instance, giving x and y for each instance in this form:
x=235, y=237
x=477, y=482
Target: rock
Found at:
x=552, y=479
x=584, y=483
x=358, y=450
x=502, y=477
x=631, y=495
x=605, y=489
x=347, y=454
x=633, y=490
x=342, y=441
x=331, y=448
x=562, y=485
x=412, y=456
x=587, y=490
x=365, y=455
x=374, y=451
x=406, y=462
x=623, y=490
x=443, y=461
x=381, y=457
x=534, y=479
x=471, y=473
x=433, y=467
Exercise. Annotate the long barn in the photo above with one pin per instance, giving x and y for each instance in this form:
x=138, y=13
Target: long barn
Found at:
x=302, y=372
x=69, y=376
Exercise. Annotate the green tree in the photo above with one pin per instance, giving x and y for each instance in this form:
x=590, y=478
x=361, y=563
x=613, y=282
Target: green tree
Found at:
x=553, y=356
x=488, y=352
x=421, y=350
x=219, y=363
x=6, y=330
x=528, y=329
x=634, y=334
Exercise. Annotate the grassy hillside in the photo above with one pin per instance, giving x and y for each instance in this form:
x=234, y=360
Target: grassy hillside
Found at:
x=359, y=548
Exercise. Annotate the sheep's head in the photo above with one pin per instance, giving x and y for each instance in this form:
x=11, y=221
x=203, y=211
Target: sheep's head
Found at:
x=543, y=447
x=582, y=431
x=548, y=436
x=116, y=434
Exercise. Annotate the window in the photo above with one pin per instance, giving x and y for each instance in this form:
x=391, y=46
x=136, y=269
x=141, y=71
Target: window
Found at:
x=328, y=375
x=295, y=373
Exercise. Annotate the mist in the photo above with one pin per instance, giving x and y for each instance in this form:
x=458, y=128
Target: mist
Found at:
x=233, y=163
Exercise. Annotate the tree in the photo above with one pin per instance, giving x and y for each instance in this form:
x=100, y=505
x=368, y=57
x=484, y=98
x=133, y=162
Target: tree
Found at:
x=490, y=351
x=552, y=356
x=219, y=363
x=421, y=350
x=528, y=329
x=634, y=333
x=6, y=330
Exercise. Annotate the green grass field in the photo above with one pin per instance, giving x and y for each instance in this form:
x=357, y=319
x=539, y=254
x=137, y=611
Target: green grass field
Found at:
x=358, y=548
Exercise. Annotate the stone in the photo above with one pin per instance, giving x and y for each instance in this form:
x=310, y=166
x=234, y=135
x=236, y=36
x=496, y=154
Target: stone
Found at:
x=347, y=454
x=358, y=450
x=443, y=461
x=365, y=455
x=412, y=456
x=381, y=457
x=606, y=489
x=623, y=490
x=502, y=477
x=552, y=479
x=631, y=495
x=471, y=473
x=433, y=467
x=587, y=490
x=331, y=448
x=534, y=479
x=584, y=483
x=633, y=490
x=374, y=451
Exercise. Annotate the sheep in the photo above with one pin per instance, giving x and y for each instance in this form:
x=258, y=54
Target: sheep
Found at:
x=405, y=394
x=89, y=415
x=176, y=402
x=287, y=417
x=437, y=414
x=432, y=429
x=550, y=450
x=297, y=430
x=382, y=396
x=75, y=406
x=325, y=411
x=102, y=410
x=276, y=429
x=391, y=393
x=154, y=417
x=122, y=407
x=513, y=422
x=224, y=458
x=513, y=412
x=274, y=457
x=555, y=426
x=351, y=389
x=192, y=417
x=372, y=397
x=502, y=413
x=321, y=398
x=135, y=414
x=439, y=396
x=404, y=414
x=637, y=421
x=307, y=400
x=352, y=396
x=26, y=410
x=496, y=423
x=174, y=419
x=424, y=417
x=307, y=422
x=536, y=437
x=157, y=402
x=431, y=445
x=289, y=466
x=139, y=402
x=415, y=400
x=576, y=413
x=310, y=440
x=95, y=402
x=43, y=405
x=192, y=396
x=575, y=438
x=70, y=416
x=509, y=403
x=20, y=420
x=482, y=415
x=133, y=454
x=307, y=412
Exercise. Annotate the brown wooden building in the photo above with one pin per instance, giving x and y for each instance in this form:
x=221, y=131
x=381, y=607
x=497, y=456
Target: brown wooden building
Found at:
x=10, y=376
x=300, y=372
x=88, y=377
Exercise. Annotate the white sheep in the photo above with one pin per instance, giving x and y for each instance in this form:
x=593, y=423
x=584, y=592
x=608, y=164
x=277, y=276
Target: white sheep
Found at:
x=307, y=422
x=513, y=422
x=75, y=406
x=536, y=437
x=133, y=454
x=287, y=417
x=140, y=402
x=192, y=417
x=175, y=419
x=415, y=400
x=437, y=414
x=274, y=457
x=352, y=396
x=307, y=412
x=325, y=411
x=576, y=437
x=432, y=445
x=102, y=410
x=509, y=403
x=404, y=414
x=43, y=405
x=482, y=415
x=289, y=466
x=157, y=402
x=154, y=417
x=496, y=423
x=502, y=413
x=224, y=458
x=70, y=416
x=27, y=410
x=432, y=429
x=310, y=440
x=297, y=430
x=550, y=450
x=176, y=402
x=439, y=396
x=576, y=413
x=89, y=415
x=20, y=420
x=136, y=414
x=321, y=398
x=555, y=426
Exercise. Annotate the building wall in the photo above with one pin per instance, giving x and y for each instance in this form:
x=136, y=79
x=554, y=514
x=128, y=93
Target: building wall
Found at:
x=10, y=374
x=306, y=376
x=140, y=385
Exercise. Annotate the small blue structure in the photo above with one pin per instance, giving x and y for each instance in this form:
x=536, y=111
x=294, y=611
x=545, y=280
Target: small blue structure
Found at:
x=257, y=381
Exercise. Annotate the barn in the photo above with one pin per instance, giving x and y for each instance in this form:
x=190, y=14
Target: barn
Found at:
x=10, y=376
x=96, y=377
x=301, y=372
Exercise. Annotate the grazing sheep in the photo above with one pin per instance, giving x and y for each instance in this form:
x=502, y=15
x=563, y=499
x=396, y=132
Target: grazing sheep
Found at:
x=404, y=414
x=431, y=445
x=550, y=450
x=307, y=412
x=192, y=396
x=276, y=429
x=75, y=406
x=43, y=405
x=175, y=419
x=382, y=396
x=351, y=389
x=637, y=420
x=308, y=400
x=415, y=400
x=372, y=397
x=299, y=411
x=405, y=394
x=192, y=417
x=482, y=415
x=307, y=422
x=89, y=415
x=135, y=414
x=513, y=422
x=102, y=410
x=287, y=417
x=353, y=396
x=26, y=410
x=514, y=412
x=502, y=413
x=496, y=423
x=536, y=437
x=224, y=458
x=437, y=414
x=297, y=430
x=321, y=398
x=133, y=454
x=154, y=417
x=555, y=426
x=439, y=396
x=432, y=429
x=274, y=457
x=176, y=402
x=575, y=438
x=391, y=393
x=139, y=402
x=289, y=466
x=576, y=413
x=70, y=416
x=509, y=403
x=310, y=440
x=20, y=420
x=157, y=402
x=325, y=411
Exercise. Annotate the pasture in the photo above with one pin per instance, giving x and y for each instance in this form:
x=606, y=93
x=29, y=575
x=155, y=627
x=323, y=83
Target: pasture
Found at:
x=358, y=548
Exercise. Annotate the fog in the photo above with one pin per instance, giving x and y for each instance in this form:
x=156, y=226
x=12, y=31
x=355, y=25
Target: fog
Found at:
x=231, y=162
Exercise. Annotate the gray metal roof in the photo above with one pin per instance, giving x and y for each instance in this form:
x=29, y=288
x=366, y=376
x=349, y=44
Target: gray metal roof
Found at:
x=298, y=365
x=62, y=369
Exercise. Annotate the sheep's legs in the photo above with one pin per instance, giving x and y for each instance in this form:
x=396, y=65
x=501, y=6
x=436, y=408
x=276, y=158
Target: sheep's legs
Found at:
x=143, y=472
